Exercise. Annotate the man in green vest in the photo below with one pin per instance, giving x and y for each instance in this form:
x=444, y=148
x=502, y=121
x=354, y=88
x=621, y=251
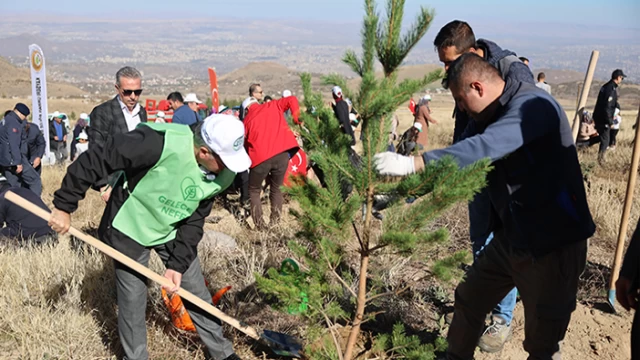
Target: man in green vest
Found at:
x=169, y=175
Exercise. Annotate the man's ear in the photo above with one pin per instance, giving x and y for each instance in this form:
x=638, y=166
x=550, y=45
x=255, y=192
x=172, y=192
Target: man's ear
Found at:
x=477, y=87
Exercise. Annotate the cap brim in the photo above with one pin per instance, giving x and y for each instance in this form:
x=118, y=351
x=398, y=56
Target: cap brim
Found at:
x=237, y=162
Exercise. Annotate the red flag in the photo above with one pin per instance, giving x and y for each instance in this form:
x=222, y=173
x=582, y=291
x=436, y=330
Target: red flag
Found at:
x=412, y=106
x=297, y=166
x=213, y=81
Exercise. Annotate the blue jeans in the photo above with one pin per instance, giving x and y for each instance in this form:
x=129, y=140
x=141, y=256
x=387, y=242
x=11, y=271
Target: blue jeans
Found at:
x=480, y=225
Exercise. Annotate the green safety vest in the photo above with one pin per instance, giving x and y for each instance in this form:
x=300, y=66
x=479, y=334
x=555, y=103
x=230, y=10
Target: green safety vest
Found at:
x=170, y=192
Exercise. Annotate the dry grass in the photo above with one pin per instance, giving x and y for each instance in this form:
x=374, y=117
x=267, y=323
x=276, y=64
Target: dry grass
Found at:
x=60, y=303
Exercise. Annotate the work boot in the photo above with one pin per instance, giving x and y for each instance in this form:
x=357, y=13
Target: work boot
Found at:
x=495, y=335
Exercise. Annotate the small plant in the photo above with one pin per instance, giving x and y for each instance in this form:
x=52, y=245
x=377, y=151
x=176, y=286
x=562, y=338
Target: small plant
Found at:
x=72, y=116
x=337, y=219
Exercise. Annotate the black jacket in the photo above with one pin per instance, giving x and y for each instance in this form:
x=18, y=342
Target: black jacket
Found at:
x=17, y=222
x=606, y=104
x=135, y=153
x=11, y=129
x=341, y=110
x=53, y=133
x=107, y=119
x=35, y=143
x=536, y=187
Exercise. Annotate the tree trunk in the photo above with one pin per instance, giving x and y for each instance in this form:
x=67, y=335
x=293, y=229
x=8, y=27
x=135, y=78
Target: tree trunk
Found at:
x=361, y=303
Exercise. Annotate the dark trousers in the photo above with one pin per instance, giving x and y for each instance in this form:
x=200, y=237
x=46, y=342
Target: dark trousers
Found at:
x=612, y=137
x=275, y=169
x=547, y=285
x=131, y=292
x=29, y=178
x=59, y=149
x=242, y=182
x=605, y=136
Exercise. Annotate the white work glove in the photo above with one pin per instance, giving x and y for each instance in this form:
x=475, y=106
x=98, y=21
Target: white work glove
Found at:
x=388, y=163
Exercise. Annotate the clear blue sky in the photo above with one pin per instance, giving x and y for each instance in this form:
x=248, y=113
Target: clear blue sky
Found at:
x=615, y=12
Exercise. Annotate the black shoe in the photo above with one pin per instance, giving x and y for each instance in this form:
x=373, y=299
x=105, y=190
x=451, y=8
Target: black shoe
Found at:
x=232, y=357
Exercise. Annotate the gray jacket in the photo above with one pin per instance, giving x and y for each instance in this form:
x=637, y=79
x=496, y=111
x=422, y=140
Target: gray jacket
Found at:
x=536, y=187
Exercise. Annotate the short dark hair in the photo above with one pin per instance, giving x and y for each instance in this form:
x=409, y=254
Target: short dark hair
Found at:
x=470, y=64
x=252, y=88
x=523, y=59
x=267, y=98
x=456, y=33
x=175, y=96
x=541, y=76
x=7, y=112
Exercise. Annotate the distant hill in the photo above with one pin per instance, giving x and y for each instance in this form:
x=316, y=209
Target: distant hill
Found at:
x=17, y=82
x=555, y=76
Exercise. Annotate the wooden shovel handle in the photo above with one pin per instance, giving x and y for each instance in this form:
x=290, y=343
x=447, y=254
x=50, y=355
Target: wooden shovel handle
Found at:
x=139, y=268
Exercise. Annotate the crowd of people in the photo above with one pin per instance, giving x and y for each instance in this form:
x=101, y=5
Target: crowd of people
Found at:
x=528, y=228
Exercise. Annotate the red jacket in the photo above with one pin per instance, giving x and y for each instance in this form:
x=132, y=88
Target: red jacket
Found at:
x=267, y=133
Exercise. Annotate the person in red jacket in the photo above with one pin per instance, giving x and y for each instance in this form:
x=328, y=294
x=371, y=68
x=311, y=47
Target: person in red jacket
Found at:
x=270, y=144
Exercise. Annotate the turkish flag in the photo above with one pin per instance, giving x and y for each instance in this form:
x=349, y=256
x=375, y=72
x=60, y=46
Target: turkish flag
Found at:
x=412, y=106
x=297, y=166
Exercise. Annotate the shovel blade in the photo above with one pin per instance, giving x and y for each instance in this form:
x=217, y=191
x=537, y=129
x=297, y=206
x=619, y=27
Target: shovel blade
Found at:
x=282, y=344
x=611, y=300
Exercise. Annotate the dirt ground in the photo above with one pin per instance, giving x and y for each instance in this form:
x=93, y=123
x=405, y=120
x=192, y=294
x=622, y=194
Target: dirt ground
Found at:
x=594, y=333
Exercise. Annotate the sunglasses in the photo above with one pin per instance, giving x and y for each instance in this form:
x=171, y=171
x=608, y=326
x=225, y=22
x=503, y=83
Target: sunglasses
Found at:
x=129, y=92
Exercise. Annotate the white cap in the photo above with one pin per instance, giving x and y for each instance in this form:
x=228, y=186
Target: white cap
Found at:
x=337, y=91
x=426, y=97
x=160, y=114
x=418, y=126
x=224, y=134
x=191, y=97
x=55, y=114
x=286, y=93
x=222, y=108
x=352, y=117
x=84, y=116
x=83, y=135
x=248, y=101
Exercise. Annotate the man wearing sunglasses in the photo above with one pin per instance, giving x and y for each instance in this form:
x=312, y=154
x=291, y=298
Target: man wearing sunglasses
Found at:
x=117, y=116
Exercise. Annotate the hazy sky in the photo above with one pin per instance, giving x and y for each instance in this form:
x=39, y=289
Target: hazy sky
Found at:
x=623, y=13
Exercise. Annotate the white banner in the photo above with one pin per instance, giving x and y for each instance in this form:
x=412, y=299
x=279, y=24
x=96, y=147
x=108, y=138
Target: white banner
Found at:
x=39, y=93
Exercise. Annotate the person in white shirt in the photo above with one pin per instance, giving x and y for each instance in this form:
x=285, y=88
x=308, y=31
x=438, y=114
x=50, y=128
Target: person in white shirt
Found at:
x=542, y=84
x=116, y=116
x=82, y=145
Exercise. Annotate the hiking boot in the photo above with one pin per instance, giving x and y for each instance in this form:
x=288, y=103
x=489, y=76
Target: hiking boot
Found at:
x=495, y=335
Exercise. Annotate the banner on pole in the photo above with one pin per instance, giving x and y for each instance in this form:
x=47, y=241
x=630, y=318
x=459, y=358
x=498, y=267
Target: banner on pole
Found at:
x=213, y=82
x=39, y=93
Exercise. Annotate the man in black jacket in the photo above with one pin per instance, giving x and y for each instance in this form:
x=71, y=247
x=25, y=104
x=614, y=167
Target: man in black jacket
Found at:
x=35, y=147
x=116, y=116
x=604, y=111
x=341, y=110
x=160, y=209
x=13, y=151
